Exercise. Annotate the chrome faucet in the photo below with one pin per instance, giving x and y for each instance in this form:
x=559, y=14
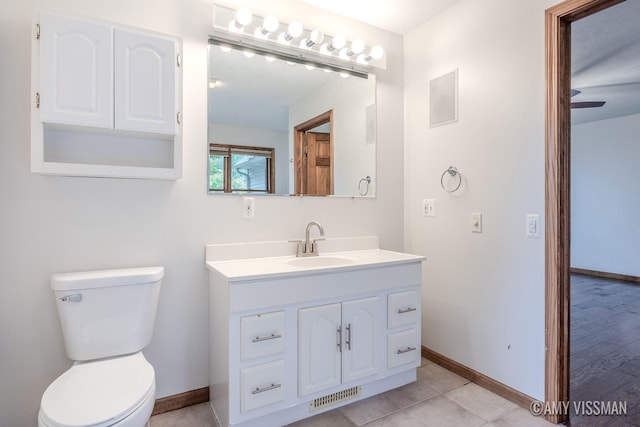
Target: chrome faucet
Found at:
x=309, y=247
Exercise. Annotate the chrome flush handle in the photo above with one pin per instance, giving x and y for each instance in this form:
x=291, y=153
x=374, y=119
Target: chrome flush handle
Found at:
x=71, y=298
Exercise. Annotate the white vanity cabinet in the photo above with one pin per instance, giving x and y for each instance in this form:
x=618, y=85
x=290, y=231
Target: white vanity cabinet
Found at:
x=107, y=100
x=287, y=342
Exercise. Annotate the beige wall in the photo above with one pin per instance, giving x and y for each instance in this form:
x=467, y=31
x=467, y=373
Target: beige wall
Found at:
x=56, y=224
x=483, y=299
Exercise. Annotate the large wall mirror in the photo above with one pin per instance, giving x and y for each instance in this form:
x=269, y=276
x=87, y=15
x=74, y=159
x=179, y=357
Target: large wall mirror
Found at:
x=283, y=127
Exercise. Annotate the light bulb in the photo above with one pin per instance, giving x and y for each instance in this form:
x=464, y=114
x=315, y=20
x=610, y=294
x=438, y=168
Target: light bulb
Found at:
x=309, y=66
x=344, y=75
x=357, y=46
x=316, y=36
x=270, y=58
x=295, y=29
x=243, y=17
x=344, y=53
x=270, y=23
x=339, y=41
x=225, y=48
x=376, y=52
x=249, y=53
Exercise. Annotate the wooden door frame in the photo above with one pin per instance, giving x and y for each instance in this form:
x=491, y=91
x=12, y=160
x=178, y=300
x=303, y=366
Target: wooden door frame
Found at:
x=558, y=21
x=298, y=142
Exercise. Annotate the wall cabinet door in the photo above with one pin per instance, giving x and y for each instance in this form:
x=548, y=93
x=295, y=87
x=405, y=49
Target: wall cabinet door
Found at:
x=145, y=82
x=76, y=72
x=337, y=343
x=319, y=344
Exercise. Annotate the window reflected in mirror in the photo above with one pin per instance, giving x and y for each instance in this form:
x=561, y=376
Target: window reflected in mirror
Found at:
x=241, y=169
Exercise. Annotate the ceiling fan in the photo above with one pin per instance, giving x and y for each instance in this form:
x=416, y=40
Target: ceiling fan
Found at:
x=584, y=104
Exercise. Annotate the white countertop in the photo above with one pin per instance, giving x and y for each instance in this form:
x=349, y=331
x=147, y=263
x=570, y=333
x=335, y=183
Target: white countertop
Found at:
x=286, y=266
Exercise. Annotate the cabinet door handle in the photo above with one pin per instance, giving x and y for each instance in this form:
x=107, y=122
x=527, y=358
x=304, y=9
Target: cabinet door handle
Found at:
x=348, y=340
x=406, y=310
x=266, y=388
x=266, y=337
x=406, y=350
x=339, y=343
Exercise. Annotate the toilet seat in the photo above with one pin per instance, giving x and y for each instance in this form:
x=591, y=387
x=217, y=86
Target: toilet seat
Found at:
x=98, y=393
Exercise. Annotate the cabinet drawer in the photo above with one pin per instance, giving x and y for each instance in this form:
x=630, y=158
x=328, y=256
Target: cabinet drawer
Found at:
x=402, y=308
x=262, y=335
x=403, y=348
x=262, y=385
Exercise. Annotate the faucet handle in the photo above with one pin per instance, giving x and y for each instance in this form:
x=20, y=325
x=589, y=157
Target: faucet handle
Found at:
x=299, y=246
x=314, y=245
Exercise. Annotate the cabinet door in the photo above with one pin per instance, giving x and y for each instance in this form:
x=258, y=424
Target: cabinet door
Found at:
x=145, y=82
x=319, y=344
x=360, y=320
x=76, y=72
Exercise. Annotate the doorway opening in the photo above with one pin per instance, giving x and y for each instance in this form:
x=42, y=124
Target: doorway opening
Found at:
x=558, y=21
x=313, y=155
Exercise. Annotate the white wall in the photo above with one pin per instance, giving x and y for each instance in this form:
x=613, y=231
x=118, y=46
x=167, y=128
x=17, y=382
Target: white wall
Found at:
x=604, y=195
x=353, y=159
x=56, y=224
x=483, y=299
x=241, y=135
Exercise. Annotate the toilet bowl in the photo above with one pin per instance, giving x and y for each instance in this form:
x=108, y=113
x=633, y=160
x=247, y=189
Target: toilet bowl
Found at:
x=107, y=319
x=119, y=391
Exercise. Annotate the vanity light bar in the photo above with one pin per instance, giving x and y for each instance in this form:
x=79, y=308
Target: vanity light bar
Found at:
x=241, y=28
x=320, y=61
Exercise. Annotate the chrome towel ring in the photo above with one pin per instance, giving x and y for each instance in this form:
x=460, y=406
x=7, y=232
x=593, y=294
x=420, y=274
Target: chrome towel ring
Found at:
x=366, y=181
x=453, y=172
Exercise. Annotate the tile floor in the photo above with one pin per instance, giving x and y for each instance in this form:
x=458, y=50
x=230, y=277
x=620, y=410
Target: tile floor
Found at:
x=438, y=398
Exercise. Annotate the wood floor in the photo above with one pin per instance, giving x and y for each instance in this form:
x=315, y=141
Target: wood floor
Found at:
x=605, y=347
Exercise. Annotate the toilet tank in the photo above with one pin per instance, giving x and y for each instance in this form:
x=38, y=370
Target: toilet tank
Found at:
x=107, y=312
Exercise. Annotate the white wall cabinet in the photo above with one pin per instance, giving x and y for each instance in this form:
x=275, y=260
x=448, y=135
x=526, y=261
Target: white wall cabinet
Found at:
x=285, y=343
x=338, y=343
x=108, y=100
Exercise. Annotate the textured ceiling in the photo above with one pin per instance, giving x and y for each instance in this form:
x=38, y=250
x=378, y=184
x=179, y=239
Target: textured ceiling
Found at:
x=605, y=62
x=397, y=16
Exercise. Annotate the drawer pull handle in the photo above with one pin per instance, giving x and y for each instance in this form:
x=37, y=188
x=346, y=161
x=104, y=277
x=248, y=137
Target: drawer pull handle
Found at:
x=406, y=310
x=406, y=350
x=266, y=337
x=267, y=388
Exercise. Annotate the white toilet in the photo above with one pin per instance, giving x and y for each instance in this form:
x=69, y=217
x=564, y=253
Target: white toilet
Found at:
x=107, y=318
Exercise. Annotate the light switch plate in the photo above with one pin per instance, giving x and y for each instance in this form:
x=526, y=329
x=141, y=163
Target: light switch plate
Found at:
x=429, y=207
x=476, y=222
x=533, y=226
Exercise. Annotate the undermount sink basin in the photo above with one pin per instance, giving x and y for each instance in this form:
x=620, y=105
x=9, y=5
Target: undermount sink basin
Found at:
x=321, y=261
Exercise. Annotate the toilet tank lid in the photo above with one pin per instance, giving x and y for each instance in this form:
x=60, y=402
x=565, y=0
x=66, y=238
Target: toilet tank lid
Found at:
x=106, y=278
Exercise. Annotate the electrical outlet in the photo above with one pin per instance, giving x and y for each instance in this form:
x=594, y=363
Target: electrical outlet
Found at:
x=429, y=207
x=476, y=222
x=248, y=207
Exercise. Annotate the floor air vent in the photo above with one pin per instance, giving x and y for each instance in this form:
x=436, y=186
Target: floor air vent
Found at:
x=332, y=399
